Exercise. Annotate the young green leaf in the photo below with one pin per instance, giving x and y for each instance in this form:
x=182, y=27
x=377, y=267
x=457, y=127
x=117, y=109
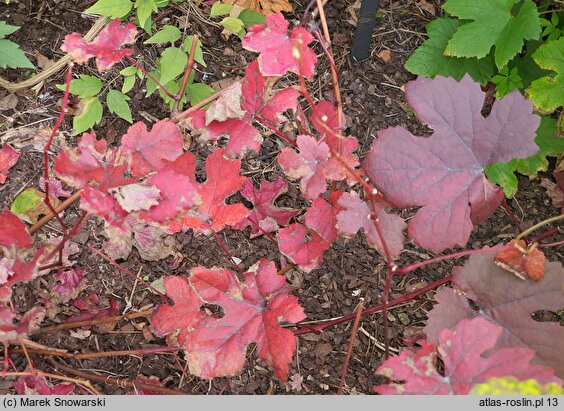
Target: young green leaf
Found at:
x=249, y=17
x=547, y=93
x=199, y=56
x=507, y=81
x=429, y=59
x=502, y=23
x=171, y=64
x=6, y=29
x=90, y=114
x=128, y=84
x=144, y=9
x=117, y=104
x=198, y=92
x=220, y=9
x=12, y=56
x=111, y=8
x=234, y=25
x=85, y=86
x=168, y=34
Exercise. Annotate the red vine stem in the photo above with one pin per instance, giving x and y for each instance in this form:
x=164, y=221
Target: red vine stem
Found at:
x=225, y=250
x=409, y=268
x=146, y=73
x=125, y=270
x=187, y=71
x=358, y=310
x=88, y=355
x=279, y=133
x=307, y=328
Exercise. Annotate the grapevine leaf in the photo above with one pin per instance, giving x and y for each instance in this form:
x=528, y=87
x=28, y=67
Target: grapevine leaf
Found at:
x=243, y=136
x=355, y=214
x=111, y=8
x=321, y=216
x=13, y=332
x=106, y=47
x=492, y=23
x=509, y=302
x=213, y=214
x=461, y=351
x=184, y=316
x=8, y=158
x=168, y=34
x=429, y=59
x=547, y=93
x=147, y=150
x=253, y=310
x=13, y=231
x=277, y=50
x=35, y=385
x=117, y=104
x=265, y=216
x=90, y=164
x=445, y=172
x=306, y=250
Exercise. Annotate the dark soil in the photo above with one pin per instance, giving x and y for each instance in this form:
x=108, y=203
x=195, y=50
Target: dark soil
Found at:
x=373, y=100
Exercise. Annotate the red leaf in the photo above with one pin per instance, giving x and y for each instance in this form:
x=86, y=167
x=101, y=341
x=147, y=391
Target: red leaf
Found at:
x=278, y=51
x=93, y=308
x=355, y=214
x=106, y=47
x=34, y=385
x=103, y=205
x=509, y=302
x=253, y=311
x=149, y=149
x=522, y=262
x=445, y=172
x=307, y=165
x=242, y=134
x=90, y=164
x=223, y=180
x=8, y=159
x=306, y=250
x=69, y=281
x=184, y=316
x=10, y=331
x=464, y=364
x=322, y=216
x=265, y=216
x=13, y=232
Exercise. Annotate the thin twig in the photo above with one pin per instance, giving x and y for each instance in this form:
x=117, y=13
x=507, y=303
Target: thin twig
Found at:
x=358, y=310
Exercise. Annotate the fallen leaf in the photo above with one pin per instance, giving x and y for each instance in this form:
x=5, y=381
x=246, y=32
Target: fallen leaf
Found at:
x=522, y=261
x=263, y=7
x=385, y=55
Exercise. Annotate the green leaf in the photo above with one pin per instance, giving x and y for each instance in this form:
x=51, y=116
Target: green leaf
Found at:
x=85, y=86
x=111, y=8
x=6, y=29
x=549, y=145
x=11, y=56
x=172, y=63
x=503, y=175
x=150, y=85
x=547, y=93
x=90, y=115
x=158, y=285
x=168, y=34
x=220, y=9
x=492, y=22
x=128, y=71
x=199, y=56
x=250, y=17
x=128, y=84
x=27, y=200
x=429, y=59
x=117, y=104
x=198, y=92
x=507, y=81
x=526, y=66
x=233, y=24
x=144, y=10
